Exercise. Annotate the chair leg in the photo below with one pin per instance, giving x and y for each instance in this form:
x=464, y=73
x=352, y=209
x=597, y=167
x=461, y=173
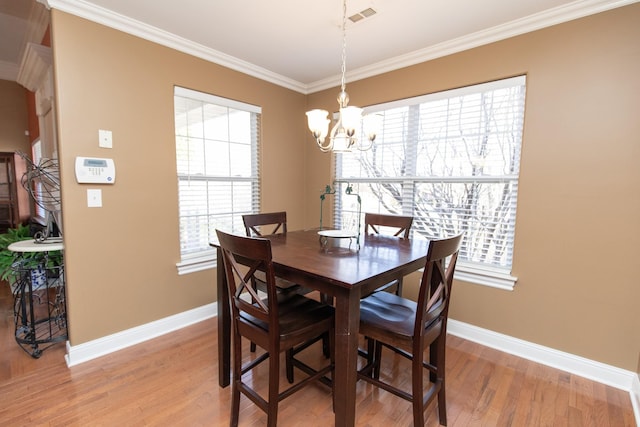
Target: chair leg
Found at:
x=437, y=352
x=235, y=404
x=370, y=353
x=235, y=381
x=289, y=365
x=378, y=360
x=417, y=387
x=274, y=386
x=252, y=345
x=442, y=405
x=326, y=346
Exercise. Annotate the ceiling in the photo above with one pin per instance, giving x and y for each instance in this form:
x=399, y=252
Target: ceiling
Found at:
x=298, y=43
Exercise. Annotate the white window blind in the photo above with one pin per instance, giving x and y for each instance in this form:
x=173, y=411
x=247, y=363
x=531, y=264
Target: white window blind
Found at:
x=452, y=160
x=217, y=142
x=36, y=152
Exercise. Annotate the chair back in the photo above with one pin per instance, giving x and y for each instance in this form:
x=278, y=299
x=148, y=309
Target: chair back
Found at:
x=435, y=286
x=243, y=257
x=264, y=224
x=400, y=225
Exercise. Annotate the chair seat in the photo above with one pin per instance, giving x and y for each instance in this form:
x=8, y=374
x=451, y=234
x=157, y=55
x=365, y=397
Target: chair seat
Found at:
x=299, y=316
x=388, y=313
x=388, y=317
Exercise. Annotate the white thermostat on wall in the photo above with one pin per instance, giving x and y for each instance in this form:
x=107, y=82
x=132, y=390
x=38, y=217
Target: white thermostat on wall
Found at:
x=93, y=170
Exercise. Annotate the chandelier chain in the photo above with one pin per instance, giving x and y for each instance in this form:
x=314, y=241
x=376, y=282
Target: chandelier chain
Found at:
x=344, y=44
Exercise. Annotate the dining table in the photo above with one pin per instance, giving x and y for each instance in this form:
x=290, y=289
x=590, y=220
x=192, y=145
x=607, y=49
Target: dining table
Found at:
x=343, y=268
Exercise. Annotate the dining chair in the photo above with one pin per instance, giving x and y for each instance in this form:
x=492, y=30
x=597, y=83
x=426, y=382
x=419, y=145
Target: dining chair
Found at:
x=398, y=225
x=276, y=324
x=410, y=327
x=263, y=224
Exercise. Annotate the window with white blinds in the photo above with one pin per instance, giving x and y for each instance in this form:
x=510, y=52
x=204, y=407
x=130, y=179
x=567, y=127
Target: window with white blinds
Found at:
x=217, y=142
x=452, y=160
x=36, y=153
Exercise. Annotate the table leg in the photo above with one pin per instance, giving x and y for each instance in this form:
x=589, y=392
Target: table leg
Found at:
x=347, y=325
x=224, y=325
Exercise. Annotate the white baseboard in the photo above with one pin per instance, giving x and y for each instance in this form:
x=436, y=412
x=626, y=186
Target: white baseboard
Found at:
x=635, y=398
x=90, y=350
x=596, y=371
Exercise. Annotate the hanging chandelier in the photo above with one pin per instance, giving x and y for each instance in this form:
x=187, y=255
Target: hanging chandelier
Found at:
x=343, y=136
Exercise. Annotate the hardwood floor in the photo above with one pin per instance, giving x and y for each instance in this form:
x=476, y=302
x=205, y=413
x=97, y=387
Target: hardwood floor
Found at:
x=173, y=381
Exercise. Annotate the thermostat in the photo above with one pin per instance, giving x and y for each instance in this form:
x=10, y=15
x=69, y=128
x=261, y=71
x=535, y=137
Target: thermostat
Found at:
x=93, y=170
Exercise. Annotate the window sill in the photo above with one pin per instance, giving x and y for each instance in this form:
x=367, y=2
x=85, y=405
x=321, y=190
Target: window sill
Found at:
x=197, y=263
x=487, y=276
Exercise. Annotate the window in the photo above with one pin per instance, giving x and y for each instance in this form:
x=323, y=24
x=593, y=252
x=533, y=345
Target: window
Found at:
x=450, y=159
x=217, y=142
x=36, y=155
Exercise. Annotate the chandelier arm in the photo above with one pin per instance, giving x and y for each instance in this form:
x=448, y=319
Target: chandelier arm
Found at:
x=325, y=147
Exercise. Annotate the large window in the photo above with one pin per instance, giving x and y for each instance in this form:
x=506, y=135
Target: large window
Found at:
x=450, y=159
x=217, y=142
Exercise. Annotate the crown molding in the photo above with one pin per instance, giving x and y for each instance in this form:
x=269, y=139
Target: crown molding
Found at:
x=558, y=15
x=36, y=61
x=37, y=24
x=571, y=11
x=125, y=24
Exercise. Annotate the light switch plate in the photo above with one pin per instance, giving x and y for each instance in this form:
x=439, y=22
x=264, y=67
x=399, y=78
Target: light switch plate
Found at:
x=94, y=198
x=105, y=138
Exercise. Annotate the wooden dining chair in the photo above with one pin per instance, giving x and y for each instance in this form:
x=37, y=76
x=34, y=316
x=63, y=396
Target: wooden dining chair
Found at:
x=263, y=224
x=409, y=327
x=276, y=324
x=399, y=226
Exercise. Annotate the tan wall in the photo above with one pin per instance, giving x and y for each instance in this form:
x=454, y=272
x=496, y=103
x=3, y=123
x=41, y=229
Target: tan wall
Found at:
x=13, y=117
x=121, y=258
x=578, y=220
x=577, y=226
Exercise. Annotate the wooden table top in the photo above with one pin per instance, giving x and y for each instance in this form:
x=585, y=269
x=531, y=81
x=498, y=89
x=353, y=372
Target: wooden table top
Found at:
x=344, y=266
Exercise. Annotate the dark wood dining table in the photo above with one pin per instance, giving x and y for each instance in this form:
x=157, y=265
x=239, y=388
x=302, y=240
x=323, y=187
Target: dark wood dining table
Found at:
x=343, y=269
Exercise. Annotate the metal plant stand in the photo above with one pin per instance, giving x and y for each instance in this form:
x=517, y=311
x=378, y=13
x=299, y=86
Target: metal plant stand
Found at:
x=40, y=313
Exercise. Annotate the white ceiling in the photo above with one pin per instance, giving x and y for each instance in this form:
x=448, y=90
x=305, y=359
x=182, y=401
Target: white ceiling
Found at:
x=297, y=43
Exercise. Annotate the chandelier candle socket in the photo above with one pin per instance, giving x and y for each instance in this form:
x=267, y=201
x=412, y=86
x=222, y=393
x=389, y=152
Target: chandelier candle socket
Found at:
x=343, y=136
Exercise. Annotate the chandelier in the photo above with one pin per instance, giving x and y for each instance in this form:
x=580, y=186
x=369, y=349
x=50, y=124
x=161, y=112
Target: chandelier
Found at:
x=343, y=136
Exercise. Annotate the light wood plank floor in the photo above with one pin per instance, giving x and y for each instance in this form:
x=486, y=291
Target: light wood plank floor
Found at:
x=173, y=381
